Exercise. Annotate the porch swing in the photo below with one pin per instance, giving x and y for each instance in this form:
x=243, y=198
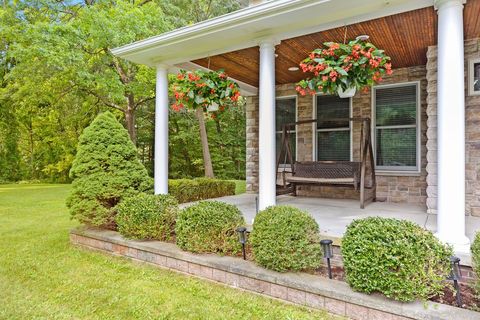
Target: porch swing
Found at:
x=330, y=173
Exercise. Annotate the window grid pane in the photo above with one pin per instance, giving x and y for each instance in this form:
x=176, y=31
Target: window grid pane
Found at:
x=333, y=137
x=396, y=127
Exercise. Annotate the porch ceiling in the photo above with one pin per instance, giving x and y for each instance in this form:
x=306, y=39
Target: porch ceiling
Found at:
x=405, y=37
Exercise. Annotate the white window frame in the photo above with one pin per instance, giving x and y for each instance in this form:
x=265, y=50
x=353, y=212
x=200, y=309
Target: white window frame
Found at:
x=398, y=170
x=471, y=77
x=282, y=166
x=315, y=130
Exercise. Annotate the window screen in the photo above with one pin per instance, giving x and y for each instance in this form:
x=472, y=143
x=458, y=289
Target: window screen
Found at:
x=396, y=129
x=285, y=113
x=333, y=128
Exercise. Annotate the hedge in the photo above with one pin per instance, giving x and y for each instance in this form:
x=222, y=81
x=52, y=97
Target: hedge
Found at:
x=210, y=227
x=148, y=216
x=475, y=248
x=395, y=257
x=285, y=238
x=189, y=190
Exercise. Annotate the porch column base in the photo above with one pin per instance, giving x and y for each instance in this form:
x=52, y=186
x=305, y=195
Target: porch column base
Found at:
x=461, y=244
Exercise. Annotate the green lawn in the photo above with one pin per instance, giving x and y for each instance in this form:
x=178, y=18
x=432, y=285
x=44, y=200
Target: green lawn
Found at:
x=43, y=277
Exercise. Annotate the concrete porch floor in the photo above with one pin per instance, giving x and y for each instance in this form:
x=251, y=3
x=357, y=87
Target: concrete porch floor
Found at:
x=333, y=215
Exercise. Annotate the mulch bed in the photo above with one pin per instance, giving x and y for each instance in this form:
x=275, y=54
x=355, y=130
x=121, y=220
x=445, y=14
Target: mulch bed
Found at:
x=469, y=299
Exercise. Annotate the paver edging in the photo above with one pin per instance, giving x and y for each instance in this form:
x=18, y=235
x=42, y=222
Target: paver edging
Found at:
x=299, y=288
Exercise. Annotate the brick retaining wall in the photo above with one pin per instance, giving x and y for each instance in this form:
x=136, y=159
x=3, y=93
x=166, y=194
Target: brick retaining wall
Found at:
x=303, y=289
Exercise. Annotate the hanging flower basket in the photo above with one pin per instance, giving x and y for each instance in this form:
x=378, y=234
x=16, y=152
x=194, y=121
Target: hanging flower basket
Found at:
x=210, y=90
x=344, y=68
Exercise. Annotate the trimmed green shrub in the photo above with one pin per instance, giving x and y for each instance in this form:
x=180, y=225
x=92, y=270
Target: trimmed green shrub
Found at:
x=285, y=238
x=105, y=171
x=475, y=248
x=395, y=257
x=148, y=216
x=209, y=226
x=189, y=190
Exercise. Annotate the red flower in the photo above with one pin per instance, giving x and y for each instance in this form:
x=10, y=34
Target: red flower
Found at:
x=334, y=46
x=180, y=76
x=325, y=78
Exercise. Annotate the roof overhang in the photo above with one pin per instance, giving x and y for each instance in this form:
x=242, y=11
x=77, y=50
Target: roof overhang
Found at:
x=277, y=20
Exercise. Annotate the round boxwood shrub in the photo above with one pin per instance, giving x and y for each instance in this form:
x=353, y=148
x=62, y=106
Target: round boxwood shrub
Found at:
x=147, y=216
x=285, y=238
x=395, y=257
x=475, y=248
x=209, y=226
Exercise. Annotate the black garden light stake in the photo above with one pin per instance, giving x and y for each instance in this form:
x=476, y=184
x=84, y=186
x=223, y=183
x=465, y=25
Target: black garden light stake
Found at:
x=327, y=253
x=242, y=238
x=455, y=275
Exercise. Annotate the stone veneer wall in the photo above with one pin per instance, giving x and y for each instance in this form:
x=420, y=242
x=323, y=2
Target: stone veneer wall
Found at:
x=392, y=188
x=472, y=133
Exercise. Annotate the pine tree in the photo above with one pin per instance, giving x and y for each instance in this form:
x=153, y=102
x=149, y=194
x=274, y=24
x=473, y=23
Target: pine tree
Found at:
x=105, y=170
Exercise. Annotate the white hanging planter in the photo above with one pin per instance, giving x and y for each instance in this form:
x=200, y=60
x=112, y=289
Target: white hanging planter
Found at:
x=348, y=93
x=213, y=107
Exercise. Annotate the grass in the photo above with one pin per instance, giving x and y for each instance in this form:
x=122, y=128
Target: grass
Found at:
x=43, y=277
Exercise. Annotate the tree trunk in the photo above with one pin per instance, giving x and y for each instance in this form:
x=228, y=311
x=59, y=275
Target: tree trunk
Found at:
x=130, y=121
x=207, y=159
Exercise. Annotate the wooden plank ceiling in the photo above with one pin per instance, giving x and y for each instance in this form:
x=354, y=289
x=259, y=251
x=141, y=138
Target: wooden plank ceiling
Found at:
x=405, y=38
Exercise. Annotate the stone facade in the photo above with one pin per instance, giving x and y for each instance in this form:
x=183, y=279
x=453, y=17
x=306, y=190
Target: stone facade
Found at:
x=472, y=134
x=392, y=187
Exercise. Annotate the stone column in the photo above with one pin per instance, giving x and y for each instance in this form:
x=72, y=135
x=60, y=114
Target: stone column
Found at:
x=451, y=124
x=161, y=132
x=267, y=174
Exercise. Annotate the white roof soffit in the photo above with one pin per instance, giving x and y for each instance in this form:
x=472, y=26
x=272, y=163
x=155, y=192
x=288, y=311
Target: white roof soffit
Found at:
x=277, y=20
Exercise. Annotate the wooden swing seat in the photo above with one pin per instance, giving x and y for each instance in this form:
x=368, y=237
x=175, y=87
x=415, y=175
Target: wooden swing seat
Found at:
x=325, y=172
x=334, y=173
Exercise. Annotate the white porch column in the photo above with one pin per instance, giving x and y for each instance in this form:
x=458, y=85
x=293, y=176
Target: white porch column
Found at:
x=451, y=124
x=266, y=144
x=161, y=132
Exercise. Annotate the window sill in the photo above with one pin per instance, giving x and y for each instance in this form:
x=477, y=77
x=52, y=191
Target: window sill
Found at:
x=397, y=173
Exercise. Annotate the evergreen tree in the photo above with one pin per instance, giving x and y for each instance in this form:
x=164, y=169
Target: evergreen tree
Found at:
x=105, y=170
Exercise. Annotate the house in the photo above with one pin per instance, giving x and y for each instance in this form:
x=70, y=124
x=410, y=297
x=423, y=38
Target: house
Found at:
x=427, y=153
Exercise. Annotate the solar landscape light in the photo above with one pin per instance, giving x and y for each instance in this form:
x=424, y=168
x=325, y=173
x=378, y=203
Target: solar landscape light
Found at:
x=327, y=253
x=242, y=238
x=455, y=276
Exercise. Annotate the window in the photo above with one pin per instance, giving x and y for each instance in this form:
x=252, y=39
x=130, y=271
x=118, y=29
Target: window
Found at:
x=474, y=77
x=396, y=113
x=333, y=137
x=286, y=109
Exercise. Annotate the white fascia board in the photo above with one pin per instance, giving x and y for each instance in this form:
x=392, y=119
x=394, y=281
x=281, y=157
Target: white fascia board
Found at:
x=278, y=20
x=246, y=90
